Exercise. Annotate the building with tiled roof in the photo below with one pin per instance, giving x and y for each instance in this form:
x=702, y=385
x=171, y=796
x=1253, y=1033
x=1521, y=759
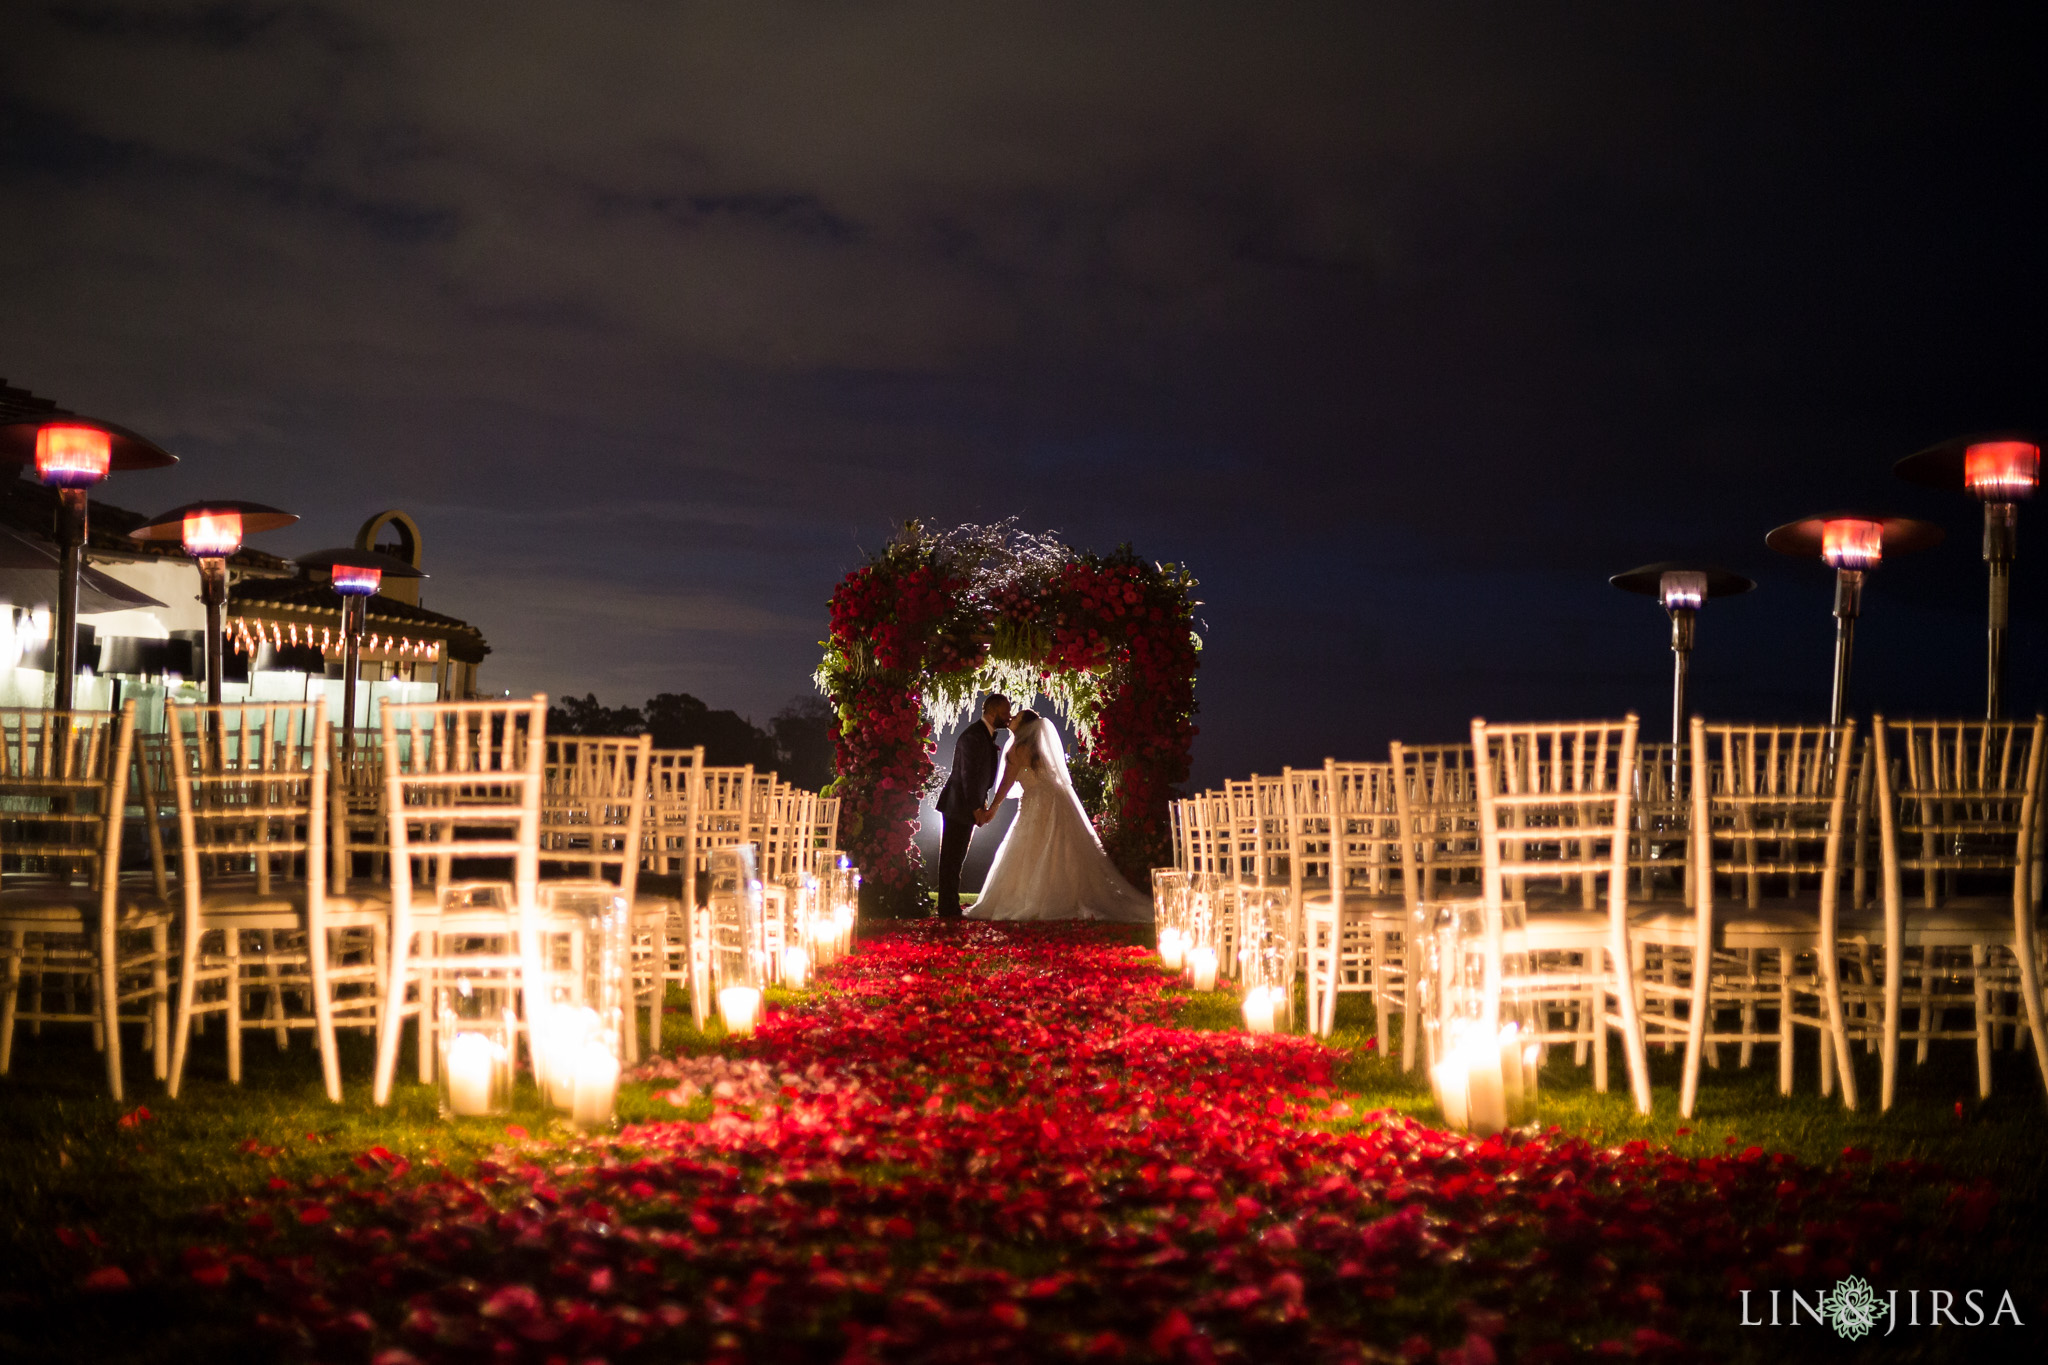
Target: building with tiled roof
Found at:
x=146, y=625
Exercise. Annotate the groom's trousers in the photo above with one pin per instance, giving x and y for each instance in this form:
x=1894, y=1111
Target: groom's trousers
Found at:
x=955, y=833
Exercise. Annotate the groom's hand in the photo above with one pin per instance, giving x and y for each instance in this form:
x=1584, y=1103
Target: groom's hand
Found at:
x=983, y=815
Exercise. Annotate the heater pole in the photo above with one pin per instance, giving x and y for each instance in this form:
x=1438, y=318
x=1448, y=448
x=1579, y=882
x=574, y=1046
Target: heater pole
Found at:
x=213, y=591
x=71, y=526
x=2001, y=534
x=1848, y=604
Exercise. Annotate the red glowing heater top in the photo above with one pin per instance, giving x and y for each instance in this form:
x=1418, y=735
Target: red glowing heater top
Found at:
x=2002, y=471
x=72, y=456
x=212, y=535
x=1852, y=544
x=352, y=581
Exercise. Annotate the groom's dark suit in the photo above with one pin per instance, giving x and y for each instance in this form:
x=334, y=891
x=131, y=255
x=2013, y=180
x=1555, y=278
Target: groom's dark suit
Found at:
x=965, y=792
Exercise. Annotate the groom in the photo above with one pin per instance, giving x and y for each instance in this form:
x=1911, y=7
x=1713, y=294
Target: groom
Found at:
x=965, y=794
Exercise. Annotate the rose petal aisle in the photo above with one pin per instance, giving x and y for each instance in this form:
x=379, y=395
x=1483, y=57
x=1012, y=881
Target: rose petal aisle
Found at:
x=991, y=1144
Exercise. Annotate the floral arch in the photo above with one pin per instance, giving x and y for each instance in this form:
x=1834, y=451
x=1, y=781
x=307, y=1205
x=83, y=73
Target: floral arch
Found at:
x=925, y=627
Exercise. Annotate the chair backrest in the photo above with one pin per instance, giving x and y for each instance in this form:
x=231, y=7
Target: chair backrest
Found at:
x=725, y=811
x=252, y=796
x=1554, y=802
x=64, y=778
x=823, y=849
x=1307, y=793
x=1367, y=827
x=1243, y=815
x=1769, y=802
x=677, y=793
x=1436, y=802
x=355, y=806
x=464, y=780
x=785, y=829
x=1956, y=799
x=594, y=813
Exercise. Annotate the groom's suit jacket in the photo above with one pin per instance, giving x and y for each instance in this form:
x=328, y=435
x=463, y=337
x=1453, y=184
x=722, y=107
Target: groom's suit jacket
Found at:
x=974, y=772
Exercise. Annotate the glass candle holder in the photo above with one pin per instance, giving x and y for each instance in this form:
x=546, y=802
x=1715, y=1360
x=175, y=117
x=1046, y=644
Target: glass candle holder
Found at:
x=586, y=932
x=737, y=910
x=1479, y=1018
x=475, y=1046
x=1266, y=939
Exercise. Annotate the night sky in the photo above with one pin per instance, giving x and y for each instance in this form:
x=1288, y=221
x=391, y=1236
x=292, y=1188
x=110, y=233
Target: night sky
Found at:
x=1402, y=327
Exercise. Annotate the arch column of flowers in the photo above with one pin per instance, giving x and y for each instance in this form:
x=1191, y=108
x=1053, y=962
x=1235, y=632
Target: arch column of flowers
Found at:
x=933, y=621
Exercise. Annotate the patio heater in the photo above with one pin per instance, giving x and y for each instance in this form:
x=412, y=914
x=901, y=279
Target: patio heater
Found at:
x=1681, y=589
x=210, y=532
x=1999, y=469
x=355, y=575
x=71, y=454
x=1852, y=544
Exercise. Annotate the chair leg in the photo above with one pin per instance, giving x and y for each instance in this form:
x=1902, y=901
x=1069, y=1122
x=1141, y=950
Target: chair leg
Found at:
x=1695, y=1039
x=2037, y=1028
x=1894, y=990
x=234, y=1014
x=658, y=997
x=1931, y=1018
x=10, y=1002
x=1633, y=1052
x=1593, y=1020
x=1980, y=985
x=1751, y=984
x=110, y=1006
x=394, y=1010
x=323, y=1011
x=160, y=999
x=188, y=983
x=1787, y=1030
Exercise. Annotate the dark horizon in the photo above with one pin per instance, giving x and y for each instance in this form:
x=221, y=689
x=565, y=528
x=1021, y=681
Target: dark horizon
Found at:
x=1403, y=330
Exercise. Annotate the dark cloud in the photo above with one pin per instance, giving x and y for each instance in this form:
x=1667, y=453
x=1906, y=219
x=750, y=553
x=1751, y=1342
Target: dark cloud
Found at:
x=1403, y=326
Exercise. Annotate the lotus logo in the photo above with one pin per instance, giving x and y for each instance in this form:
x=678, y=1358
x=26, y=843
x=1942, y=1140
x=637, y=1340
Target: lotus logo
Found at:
x=1853, y=1308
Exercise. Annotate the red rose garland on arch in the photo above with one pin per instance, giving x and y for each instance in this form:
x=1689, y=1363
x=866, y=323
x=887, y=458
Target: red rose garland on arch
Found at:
x=932, y=621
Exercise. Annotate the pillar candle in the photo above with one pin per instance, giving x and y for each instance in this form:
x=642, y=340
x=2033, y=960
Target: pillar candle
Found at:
x=597, y=1085
x=561, y=1032
x=1172, y=945
x=737, y=1006
x=470, y=1059
x=1511, y=1068
x=1202, y=968
x=1486, y=1093
x=1448, y=1076
x=796, y=967
x=1258, y=1010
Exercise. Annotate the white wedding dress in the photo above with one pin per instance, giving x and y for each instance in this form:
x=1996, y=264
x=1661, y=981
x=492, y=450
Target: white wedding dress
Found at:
x=1051, y=865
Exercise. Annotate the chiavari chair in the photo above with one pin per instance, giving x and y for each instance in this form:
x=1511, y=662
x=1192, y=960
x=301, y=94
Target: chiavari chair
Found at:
x=1554, y=808
x=1771, y=815
x=80, y=940
x=464, y=794
x=252, y=787
x=679, y=950
x=593, y=837
x=1958, y=812
x=1436, y=803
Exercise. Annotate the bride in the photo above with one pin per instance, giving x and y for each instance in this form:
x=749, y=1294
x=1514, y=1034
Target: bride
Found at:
x=1050, y=864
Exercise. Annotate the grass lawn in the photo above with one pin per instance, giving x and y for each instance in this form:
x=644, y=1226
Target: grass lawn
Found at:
x=84, y=1182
